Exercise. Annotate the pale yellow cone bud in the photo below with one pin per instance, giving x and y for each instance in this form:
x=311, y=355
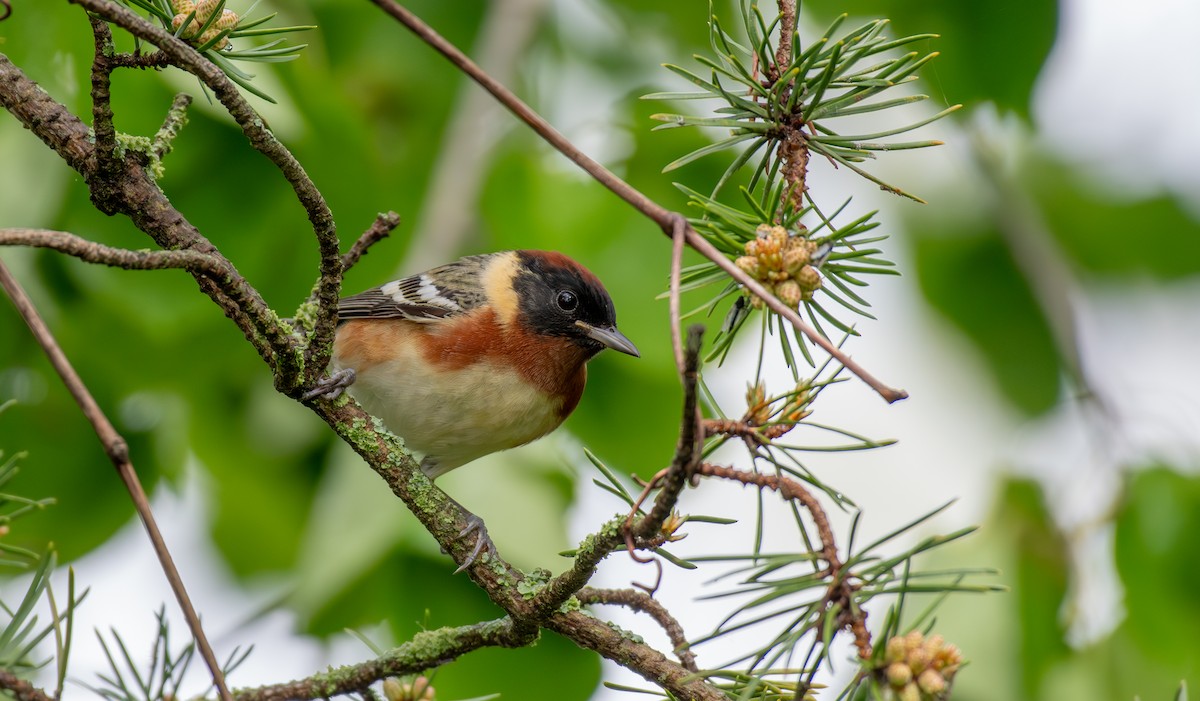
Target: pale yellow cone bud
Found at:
x=205, y=8
x=898, y=674
x=931, y=682
x=795, y=257
x=228, y=20
x=809, y=278
x=748, y=265
x=789, y=293
x=393, y=690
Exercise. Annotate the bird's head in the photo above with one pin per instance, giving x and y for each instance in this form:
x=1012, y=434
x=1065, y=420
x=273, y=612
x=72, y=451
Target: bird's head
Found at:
x=559, y=297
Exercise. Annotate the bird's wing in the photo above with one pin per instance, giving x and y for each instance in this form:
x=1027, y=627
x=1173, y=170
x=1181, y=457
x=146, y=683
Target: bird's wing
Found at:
x=443, y=292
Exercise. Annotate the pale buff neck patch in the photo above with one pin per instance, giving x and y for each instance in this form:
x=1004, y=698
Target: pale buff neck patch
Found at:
x=498, y=281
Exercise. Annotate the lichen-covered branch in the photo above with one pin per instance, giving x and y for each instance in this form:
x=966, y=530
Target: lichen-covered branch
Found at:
x=136, y=195
x=650, y=664
x=98, y=253
x=292, y=375
x=644, y=603
x=18, y=688
x=175, y=120
x=426, y=650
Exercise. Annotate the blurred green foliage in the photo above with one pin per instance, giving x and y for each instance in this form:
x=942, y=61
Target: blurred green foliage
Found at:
x=1024, y=638
x=364, y=108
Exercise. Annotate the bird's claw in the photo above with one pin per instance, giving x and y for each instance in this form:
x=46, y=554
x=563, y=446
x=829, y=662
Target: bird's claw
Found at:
x=331, y=387
x=483, y=542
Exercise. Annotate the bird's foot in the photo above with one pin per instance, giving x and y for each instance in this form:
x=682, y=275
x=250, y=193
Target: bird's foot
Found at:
x=331, y=387
x=483, y=542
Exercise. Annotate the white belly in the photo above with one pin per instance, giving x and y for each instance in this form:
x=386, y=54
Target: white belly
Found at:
x=456, y=417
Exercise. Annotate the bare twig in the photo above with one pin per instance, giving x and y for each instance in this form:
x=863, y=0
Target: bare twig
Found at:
x=449, y=212
x=841, y=589
x=651, y=209
x=378, y=231
x=679, y=229
x=175, y=120
x=643, y=603
x=118, y=452
x=93, y=252
x=689, y=446
x=788, y=489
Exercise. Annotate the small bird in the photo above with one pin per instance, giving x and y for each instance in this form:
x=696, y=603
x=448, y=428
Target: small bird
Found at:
x=483, y=354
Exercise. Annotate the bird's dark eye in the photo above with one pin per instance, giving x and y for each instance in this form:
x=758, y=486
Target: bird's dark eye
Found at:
x=567, y=301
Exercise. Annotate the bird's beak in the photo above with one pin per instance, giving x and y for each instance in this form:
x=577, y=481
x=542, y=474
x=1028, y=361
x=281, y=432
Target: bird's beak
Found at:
x=610, y=337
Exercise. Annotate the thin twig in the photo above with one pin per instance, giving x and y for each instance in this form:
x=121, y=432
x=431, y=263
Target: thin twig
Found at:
x=98, y=253
x=689, y=446
x=175, y=120
x=679, y=229
x=841, y=589
x=209, y=268
x=383, y=225
x=788, y=489
x=118, y=452
x=651, y=209
x=448, y=217
x=643, y=603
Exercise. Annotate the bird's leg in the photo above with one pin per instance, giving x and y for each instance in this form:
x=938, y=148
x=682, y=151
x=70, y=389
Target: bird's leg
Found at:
x=474, y=524
x=331, y=387
x=483, y=542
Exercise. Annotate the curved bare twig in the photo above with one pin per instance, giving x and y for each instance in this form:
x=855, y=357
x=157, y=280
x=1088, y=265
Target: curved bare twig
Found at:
x=639, y=201
x=118, y=452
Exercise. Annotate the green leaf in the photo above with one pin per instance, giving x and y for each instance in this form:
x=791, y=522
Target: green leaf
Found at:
x=1041, y=578
x=1118, y=236
x=1156, y=561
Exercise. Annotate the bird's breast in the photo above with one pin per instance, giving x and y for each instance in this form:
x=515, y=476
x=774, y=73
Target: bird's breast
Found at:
x=460, y=389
